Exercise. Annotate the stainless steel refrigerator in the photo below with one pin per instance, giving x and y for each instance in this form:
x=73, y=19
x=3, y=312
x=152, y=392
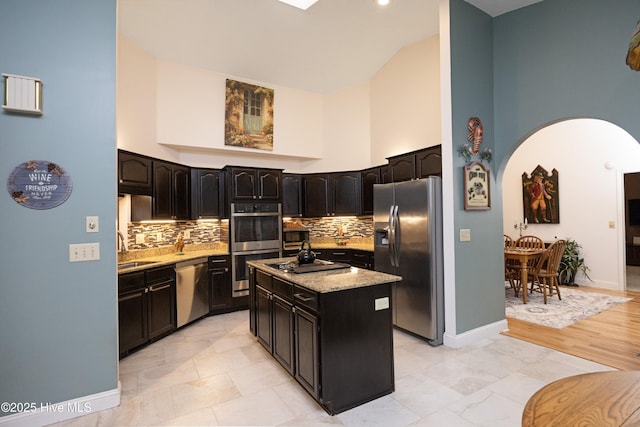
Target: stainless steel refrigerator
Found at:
x=408, y=242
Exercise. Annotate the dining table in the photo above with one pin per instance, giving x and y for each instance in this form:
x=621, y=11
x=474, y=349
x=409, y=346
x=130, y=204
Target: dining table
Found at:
x=524, y=256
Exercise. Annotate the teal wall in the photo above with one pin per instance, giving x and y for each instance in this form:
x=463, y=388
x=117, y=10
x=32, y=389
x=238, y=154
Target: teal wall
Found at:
x=562, y=59
x=479, y=280
x=519, y=72
x=58, y=320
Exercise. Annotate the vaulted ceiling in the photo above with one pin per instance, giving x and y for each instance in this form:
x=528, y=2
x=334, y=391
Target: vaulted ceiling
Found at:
x=332, y=45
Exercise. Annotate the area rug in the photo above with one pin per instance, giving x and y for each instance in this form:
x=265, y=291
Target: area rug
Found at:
x=575, y=306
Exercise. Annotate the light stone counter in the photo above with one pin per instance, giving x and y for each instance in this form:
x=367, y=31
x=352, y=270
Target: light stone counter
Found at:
x=326, y=281
x=167, y=255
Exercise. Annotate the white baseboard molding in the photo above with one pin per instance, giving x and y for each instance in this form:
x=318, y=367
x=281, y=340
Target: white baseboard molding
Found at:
x=470, y=337
x=56, y=412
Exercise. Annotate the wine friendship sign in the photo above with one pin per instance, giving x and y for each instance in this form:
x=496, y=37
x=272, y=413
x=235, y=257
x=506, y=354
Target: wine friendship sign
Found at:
x=39, y=184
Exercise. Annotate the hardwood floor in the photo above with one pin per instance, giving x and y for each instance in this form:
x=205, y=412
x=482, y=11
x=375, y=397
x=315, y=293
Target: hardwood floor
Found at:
x=611, y=338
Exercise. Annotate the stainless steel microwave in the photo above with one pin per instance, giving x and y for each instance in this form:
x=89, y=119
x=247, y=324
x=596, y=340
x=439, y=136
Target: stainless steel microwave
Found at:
x=292, y=238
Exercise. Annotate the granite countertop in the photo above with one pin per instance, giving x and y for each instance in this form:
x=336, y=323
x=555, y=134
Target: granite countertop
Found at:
x=326, y=281
x=167, y=255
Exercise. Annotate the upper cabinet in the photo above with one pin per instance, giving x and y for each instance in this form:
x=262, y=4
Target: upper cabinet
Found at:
x=246, y=184
x=414, y=165
x=171, y=191
x=368, y=178
x=134, y=173
x=332, y=194
x=292, y=195
x=206, y=194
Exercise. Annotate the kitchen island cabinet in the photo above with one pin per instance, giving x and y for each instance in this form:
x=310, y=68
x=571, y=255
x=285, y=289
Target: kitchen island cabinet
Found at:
x=331, y=330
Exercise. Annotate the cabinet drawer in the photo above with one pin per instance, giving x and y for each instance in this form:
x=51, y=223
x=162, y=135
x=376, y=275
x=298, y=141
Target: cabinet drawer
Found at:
x=283, y=289
x=130, y=281
x=340, y=255
x=218, y=263
x=264, y=280
x=305, y=298
x=160, y=274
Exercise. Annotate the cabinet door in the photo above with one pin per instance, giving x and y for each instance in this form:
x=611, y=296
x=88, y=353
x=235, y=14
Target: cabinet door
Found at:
x=243, y=184
x=269, y=184
x=368, y=178
x=429, y=162
x=220, y=292
x=181, y=192
x=306, y=350
x=134, y=174
x=283, y=332
x=385, y=174
x=403, y=168
x=162, y=190
x=264, y=314
x=316, y=191
x=345, y=187
x=205, y=194
x=161, y=308
x=132, y=319
x=291, y=195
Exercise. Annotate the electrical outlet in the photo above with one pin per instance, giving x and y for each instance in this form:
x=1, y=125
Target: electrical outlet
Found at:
x=465, y=235
x=159, y=236
x=84, y=252
x=139, y=238
x=187, y=234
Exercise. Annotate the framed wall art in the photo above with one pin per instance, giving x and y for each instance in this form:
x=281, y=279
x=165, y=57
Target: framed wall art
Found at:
x=477, y=191
x=248, y=120
x=540, y=198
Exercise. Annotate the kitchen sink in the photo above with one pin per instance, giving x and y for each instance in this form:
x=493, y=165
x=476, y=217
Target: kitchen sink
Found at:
x=133, y=264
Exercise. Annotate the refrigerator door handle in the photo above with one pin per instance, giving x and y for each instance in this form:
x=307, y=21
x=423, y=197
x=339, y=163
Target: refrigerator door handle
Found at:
x=396, y=236
x=392, y=237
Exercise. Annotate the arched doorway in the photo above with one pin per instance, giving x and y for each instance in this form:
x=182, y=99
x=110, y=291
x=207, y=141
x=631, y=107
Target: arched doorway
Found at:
x=591, y=157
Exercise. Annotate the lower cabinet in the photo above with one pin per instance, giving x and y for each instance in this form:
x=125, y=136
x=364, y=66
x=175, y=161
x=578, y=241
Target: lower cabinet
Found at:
x=220, y=291
x=334, y=344
x=146, y=307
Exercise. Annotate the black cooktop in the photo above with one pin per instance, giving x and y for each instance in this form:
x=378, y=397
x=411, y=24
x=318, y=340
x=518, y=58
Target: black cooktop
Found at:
x=317, y=265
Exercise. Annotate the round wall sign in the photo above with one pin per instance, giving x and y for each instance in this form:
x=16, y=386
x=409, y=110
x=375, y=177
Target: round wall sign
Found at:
x=39, y=184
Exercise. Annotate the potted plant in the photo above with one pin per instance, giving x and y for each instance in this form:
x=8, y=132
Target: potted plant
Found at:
x=571, y=262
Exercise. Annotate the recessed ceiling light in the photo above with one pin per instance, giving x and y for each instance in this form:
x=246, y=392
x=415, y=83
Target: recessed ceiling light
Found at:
x=300, y=4
x=383, y=2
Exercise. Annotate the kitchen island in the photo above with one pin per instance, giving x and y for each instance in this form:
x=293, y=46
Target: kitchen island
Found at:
x=331, y=330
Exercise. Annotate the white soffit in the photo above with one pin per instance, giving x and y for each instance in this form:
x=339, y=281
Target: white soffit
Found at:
x=498, y=7
x=300, y=4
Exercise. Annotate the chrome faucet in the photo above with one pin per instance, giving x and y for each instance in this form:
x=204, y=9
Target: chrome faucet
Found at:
x=123, y=245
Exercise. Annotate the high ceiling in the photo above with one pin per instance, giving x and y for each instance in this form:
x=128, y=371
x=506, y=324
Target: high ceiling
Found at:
x=332, y=45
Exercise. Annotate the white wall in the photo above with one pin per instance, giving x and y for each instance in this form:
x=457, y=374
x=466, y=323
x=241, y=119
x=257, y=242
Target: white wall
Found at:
x=405, y=102
x=590, y=194
x=176, y=112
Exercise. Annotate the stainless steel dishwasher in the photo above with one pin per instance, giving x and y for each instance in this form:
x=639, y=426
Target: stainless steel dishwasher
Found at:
x=192, y=290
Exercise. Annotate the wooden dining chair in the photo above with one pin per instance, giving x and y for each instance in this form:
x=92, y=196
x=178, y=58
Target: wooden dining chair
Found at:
x=533, y=242
x=545, y=277
x=511, y=274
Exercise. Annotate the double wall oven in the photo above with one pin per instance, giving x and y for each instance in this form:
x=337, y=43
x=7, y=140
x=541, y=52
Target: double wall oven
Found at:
x=255, y=233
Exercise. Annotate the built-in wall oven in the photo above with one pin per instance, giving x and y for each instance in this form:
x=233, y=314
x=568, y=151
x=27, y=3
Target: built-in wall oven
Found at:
x=255, y=233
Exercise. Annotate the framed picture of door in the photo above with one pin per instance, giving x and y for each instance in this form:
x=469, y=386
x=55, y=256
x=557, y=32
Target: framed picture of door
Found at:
x=248, y=120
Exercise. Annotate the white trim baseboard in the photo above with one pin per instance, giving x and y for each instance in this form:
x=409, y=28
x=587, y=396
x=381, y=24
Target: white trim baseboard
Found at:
x=56, y=412
x=466, y=338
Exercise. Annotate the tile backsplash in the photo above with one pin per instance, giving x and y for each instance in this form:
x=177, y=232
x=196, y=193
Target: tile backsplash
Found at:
x=153, y=235
x=143, y=235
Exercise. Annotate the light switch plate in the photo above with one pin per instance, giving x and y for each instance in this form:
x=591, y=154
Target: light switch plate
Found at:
x=84, y=252
x=465, y=234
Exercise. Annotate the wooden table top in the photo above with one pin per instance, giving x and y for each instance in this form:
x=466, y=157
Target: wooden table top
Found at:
x=595, y=399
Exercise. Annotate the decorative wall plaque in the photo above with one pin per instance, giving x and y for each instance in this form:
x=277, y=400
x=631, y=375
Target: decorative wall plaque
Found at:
x=39, y=184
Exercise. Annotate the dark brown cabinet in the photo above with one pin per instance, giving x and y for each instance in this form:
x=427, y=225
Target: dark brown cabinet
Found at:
x=368, y=178
x=171, y=191
x=206, y=194
x=254, y=184
x=362, y=259
x=292, y=195
x=414, y=165
x=332, y=194
x=220, y=288
x=134, y=174
x=334, y=344
x=146, y=307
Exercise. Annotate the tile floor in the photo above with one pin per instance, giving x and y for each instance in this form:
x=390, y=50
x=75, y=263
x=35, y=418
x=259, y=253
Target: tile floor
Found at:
x=213, y=372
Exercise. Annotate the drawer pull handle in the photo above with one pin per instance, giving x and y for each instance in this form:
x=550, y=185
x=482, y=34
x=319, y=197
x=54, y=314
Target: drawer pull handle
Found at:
x=302, y=298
